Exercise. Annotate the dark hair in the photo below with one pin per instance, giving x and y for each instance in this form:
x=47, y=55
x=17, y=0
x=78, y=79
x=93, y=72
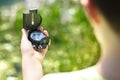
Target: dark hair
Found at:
x=111, y=11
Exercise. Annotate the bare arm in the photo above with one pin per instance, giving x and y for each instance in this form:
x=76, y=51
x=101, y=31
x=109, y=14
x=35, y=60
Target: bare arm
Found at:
x=31, y=59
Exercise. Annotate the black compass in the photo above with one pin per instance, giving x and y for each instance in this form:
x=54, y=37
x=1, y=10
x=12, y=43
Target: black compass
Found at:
x=31, y=22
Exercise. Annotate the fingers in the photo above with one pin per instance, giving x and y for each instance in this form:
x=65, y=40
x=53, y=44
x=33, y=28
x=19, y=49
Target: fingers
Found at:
x=28, y=49
x=41, y=29
x=43, y=51
x=44, y=31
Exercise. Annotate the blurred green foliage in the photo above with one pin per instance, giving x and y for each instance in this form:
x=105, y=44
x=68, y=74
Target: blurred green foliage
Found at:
x=73, y=45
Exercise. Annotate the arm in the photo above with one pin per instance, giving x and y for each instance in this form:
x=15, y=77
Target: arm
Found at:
x=31, y=59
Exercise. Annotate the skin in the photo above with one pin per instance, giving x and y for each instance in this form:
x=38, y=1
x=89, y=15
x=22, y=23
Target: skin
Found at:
x=108, y=66
x=31, y=58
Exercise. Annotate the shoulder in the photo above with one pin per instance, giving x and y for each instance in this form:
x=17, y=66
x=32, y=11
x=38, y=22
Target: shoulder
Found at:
x=60, y=76
x=85, y=74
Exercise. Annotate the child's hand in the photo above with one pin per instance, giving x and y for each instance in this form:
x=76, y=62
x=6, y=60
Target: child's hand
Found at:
x=28, y=50
x=31, y=58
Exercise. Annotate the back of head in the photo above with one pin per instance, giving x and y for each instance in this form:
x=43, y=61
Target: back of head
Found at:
x=110, y=9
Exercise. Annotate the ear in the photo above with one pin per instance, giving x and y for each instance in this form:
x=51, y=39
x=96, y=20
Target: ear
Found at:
x=91, y=9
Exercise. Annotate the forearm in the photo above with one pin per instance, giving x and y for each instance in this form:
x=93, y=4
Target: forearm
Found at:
x=31, y=68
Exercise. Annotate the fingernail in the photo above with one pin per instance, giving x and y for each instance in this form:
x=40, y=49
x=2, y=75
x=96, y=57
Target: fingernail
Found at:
x=45, y=30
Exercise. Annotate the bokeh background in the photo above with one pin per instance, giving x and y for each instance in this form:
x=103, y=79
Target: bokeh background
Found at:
x=73, y=45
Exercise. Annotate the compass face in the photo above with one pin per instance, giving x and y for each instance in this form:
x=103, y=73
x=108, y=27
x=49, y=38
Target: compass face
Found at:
x=37, y=36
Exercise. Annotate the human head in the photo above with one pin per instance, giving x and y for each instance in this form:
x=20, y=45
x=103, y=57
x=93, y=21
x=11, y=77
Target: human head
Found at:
x=105, y=14
x=110, y=9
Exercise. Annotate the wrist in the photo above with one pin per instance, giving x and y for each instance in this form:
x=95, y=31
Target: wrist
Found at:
x=27, y=53
x=32, y=60
x=32, y=69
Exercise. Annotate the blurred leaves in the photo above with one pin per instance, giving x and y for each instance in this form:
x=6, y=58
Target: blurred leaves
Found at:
x=73, y=45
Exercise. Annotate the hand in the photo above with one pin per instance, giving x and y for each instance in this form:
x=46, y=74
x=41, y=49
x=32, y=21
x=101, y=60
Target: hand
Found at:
x=31, y=58
x=27, y=48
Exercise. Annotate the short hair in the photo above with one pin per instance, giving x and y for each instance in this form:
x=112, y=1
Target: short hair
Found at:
x=110, y=9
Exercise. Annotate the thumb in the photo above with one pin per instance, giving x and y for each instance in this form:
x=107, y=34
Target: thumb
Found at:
x=24, y=34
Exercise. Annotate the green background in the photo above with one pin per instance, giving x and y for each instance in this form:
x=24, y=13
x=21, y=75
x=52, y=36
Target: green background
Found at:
x=73, y=45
